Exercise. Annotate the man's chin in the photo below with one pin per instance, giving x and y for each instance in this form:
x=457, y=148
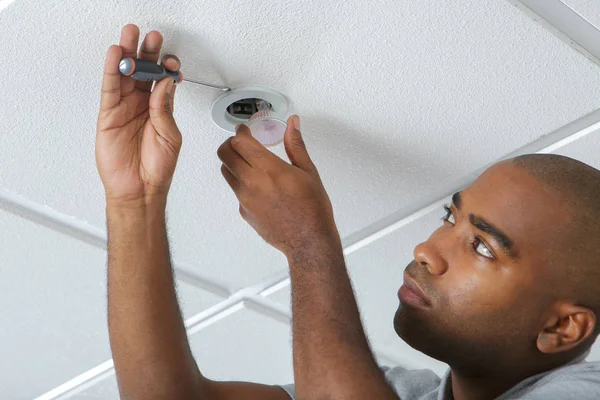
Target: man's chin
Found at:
x=403, y=320
x=414, y=329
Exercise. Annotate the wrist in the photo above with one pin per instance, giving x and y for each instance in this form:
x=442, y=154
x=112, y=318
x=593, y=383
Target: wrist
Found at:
x=136, y=204
x=324, y=248
x=135, y=210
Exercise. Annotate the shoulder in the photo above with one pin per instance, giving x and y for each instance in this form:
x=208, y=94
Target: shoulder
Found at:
x=410, y=383
x=576, y=381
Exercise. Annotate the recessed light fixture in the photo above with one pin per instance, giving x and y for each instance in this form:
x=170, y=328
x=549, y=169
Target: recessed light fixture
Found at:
x=262, y=109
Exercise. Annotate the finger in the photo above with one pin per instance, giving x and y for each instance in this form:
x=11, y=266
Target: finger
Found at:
x=149, y=50
x=130, y=35
x=172, y=63
x=231, y=180
x=295, y=147
x=233, y=161
x=255, y=154
x=111, y=83
x=161, y=114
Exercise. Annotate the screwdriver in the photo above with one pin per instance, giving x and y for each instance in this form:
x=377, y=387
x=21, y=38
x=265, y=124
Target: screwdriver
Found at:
x=146, y=71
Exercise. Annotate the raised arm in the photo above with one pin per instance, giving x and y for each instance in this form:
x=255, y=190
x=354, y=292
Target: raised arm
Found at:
x=137, y=146
x=288, y=206
x=150, y=348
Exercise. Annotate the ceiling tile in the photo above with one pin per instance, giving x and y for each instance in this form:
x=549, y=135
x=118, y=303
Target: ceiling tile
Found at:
x=245, y=346
x=105, y=389
x=584, y=149
x=53, y=295
x=390, y=107
x=588, y=9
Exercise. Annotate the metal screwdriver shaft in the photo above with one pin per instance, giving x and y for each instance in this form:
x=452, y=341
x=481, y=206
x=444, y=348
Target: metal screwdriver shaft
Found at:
x=146, y=71
x=224, y=88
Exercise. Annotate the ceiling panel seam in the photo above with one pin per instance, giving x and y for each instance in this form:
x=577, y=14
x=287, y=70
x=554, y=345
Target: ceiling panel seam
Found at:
x=81, y=382
x=546, y=144
x=274, y=310
x=81, y=230
x=193, y=325
x=238, y=301
x=565, y=23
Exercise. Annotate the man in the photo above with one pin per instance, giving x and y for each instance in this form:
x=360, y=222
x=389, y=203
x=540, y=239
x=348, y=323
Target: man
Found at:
x=505, y=291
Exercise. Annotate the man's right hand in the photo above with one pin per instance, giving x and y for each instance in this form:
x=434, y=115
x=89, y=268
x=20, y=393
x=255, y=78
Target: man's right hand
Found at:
x=137, y=139
x=137, y=146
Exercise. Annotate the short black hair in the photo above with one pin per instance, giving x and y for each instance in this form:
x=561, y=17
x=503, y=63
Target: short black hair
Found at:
x=579, y=186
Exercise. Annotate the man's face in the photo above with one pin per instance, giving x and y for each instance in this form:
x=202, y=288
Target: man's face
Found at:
x=486, y=272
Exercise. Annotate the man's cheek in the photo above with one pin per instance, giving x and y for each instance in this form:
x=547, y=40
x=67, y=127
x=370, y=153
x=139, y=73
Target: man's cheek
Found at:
x=470, y=294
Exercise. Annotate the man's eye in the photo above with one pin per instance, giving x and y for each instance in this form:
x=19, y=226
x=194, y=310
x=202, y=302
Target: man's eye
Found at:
x=482, y=249
x=449, y=217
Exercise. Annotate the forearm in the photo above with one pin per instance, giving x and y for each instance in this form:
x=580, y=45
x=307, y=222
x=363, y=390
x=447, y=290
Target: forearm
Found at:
x=147, y=336
x=332, y=358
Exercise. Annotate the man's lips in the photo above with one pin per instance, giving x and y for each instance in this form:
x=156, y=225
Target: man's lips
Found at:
x=411, y=293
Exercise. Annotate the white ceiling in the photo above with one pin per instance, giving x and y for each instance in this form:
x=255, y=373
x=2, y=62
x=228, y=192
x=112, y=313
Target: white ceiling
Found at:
x=397, y=98
x=588, y=9
x=53, y=296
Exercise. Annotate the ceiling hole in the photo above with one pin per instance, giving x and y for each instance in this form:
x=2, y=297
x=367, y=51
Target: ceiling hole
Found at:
x=245, y=108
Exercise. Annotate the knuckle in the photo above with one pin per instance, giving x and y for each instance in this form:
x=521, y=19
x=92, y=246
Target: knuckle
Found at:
x=256, y=153
x=110, y=91
x=146, y=52
x=163, y=109
x=250, y=183
x=298, y=142
x=223, y=148
x=243, y=196
x=236, y=142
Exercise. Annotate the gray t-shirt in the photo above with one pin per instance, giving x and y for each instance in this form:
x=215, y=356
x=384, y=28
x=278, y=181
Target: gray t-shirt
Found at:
x=576, y=380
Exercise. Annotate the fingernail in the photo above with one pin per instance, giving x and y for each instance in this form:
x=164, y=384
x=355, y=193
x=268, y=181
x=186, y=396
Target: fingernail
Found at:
x=173, y=56
x=170, y=86
x=297, y=122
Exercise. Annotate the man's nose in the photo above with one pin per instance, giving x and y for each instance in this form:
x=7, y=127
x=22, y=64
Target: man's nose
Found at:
x=428, y=255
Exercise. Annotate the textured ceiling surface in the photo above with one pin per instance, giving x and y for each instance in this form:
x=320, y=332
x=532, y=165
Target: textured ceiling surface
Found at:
x=396, y=98
x=588, y=9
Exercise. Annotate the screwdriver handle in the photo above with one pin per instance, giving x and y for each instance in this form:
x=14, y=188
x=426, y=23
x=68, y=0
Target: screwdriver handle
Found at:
x=146, y=71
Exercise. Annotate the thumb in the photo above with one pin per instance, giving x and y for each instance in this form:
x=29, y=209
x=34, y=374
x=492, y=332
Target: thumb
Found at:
x=295, y=147
x=161, y=111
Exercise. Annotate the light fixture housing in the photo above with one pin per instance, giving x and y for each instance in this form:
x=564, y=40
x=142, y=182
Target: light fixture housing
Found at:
x=278, y=107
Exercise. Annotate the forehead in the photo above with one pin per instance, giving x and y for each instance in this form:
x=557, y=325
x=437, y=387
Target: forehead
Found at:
x=530, y=212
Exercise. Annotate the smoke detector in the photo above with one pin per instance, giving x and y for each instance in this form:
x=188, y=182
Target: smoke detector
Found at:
x=262, y=109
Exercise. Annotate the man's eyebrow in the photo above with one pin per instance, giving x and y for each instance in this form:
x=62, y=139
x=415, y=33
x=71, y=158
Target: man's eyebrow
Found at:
x=506, y=244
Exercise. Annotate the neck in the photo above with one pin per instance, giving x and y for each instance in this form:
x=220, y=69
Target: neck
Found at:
x=468, y=387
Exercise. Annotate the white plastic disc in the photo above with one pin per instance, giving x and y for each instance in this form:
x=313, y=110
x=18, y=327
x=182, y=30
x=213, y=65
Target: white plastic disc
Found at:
x=266, y=128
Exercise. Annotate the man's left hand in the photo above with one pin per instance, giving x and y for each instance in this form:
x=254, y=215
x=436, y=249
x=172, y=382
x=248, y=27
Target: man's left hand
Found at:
x=285, y=203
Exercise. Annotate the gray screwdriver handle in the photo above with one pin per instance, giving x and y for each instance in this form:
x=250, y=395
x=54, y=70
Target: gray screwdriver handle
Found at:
x=144, y=70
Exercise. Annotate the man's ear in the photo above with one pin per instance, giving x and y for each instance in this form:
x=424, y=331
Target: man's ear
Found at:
x=569, y=326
